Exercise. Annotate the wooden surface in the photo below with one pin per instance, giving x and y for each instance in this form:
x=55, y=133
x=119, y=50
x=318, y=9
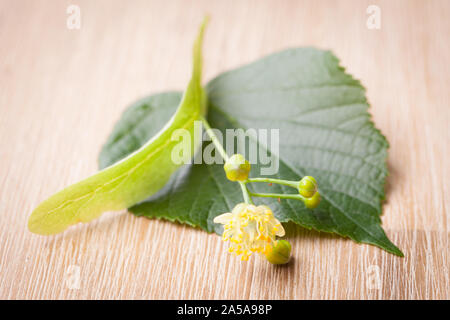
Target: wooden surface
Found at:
x=62, y=90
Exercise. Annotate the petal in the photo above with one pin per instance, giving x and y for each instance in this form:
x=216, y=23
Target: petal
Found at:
x=264, y=209
x=280, y=232
x=252, y=208
x=223, y=218
x=239, y=208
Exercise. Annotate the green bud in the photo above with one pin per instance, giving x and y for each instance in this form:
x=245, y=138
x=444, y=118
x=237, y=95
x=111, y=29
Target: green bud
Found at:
x=307, y=187
x=313, y=202
x=280, y=253
x=237, y=168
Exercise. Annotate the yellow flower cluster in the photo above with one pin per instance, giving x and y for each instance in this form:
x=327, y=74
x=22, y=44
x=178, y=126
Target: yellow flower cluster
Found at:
x=250, y=228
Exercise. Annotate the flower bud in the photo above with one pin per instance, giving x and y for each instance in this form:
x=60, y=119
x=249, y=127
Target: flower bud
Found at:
x=280, y=253
x=237, y=168
x=313, y=202
x=307, y=187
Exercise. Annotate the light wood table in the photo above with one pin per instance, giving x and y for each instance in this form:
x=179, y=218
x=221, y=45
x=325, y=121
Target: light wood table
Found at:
x=62, y=90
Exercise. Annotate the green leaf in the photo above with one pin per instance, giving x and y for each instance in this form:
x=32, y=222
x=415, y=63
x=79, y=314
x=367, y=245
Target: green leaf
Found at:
x=325, y=132
x=142, y=173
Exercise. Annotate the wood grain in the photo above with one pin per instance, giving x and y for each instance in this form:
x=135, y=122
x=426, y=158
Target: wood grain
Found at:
x=62, y=90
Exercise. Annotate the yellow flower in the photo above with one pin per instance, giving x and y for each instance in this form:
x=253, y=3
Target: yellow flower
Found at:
x=250, y=228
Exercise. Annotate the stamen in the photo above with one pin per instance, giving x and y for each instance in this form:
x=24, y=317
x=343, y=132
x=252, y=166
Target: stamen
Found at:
x=250, y=229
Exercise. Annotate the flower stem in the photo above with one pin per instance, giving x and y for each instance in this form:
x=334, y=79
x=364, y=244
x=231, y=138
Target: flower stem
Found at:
x=278, y=195
x=214, y=139
x=223, y=153
x=292, y=184
x=246, y=194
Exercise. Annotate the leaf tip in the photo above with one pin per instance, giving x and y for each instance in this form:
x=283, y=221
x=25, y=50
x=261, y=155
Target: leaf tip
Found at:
x=34, y=223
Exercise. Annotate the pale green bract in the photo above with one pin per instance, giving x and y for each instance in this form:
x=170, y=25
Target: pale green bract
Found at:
x=132, y=179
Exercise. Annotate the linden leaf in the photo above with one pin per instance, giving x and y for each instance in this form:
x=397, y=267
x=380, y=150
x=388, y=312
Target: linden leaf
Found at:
x=325, y=131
